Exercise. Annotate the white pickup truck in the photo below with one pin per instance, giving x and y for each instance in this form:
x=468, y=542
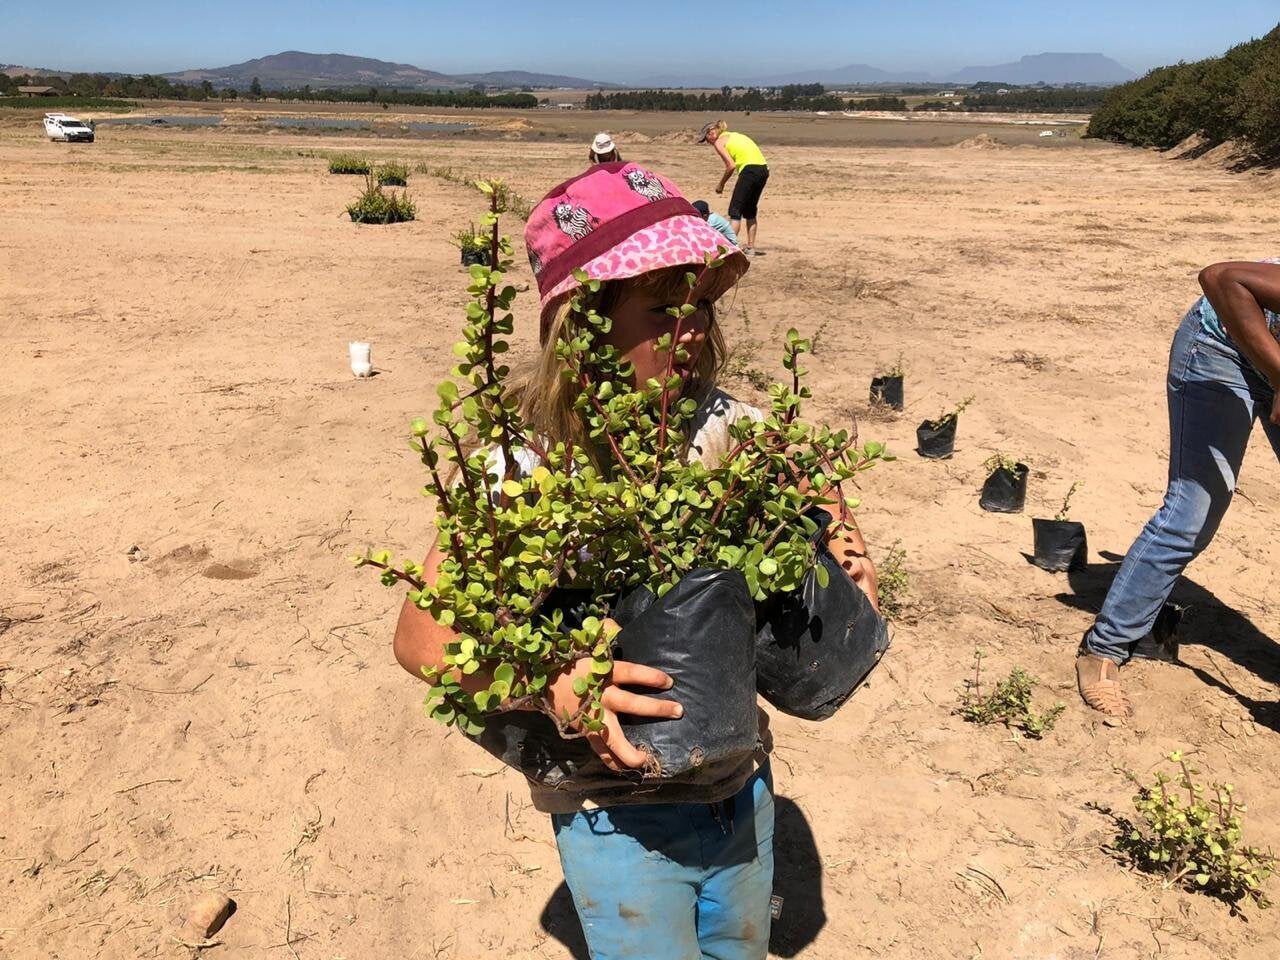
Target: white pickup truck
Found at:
x=59, y=126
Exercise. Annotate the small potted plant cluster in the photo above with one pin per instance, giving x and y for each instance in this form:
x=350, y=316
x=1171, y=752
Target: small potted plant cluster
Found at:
x=936, y=439
x=886, y=388
x=349, y=164
x=473, y=245
x=378, y=205
x=537, y=557
x=1005, y=489
x=1060, y=544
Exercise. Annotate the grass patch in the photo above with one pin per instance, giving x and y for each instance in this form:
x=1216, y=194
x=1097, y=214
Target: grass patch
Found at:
x=377, y=205
x=349, y=163
x=892, y=582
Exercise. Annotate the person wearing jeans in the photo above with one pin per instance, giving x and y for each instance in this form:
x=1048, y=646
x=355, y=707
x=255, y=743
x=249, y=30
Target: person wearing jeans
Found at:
x=1223, y=364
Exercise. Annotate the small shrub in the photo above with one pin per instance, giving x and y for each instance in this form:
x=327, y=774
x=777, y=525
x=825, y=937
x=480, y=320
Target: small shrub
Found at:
x=376, y=205
x=893, y=582
x=1190, y=834
x=469, y=238
x=1008, y=703
x=897, y=369
x=948, y=415
x=393, y=173
x=348, y=163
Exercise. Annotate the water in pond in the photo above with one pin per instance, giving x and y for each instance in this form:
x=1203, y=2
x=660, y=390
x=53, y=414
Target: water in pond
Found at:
x=432, y=126
x=199, y=121
x=319, y=123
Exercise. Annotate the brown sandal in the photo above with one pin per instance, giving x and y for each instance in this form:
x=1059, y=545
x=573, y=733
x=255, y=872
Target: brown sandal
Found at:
x=1099, y=680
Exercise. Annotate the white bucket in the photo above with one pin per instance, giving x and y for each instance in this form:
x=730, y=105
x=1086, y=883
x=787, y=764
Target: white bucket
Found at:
x=361, y=361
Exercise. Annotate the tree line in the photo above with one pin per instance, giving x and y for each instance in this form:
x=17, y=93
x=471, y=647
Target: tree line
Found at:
x=150, y=87
x=1234, y=97
x=799, y=96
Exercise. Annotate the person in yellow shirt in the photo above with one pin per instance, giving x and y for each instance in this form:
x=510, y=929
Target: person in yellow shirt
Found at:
x=741, y=156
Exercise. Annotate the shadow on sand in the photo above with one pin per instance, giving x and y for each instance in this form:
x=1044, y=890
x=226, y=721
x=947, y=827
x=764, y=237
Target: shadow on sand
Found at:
x=1207, y=622
x=797, y=879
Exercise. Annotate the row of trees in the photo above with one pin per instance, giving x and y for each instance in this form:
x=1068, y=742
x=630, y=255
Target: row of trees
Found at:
x=149, y=87
x=801, y=96
x=1235, y=97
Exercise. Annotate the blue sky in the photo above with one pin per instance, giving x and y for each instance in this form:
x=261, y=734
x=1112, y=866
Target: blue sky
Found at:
x=623, y=41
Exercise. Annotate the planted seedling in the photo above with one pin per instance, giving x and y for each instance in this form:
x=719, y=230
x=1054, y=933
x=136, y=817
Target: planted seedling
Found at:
x=606, y=515
x=893, y=582
x=377, y=205
x=1005, y=489
x=349, y=164
x=393, y=173
x=936, y=439
x=1190, y=834
x=1009, y=702
x=1065, y=512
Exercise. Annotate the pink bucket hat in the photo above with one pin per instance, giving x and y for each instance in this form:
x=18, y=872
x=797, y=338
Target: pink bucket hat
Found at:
x=615, y=221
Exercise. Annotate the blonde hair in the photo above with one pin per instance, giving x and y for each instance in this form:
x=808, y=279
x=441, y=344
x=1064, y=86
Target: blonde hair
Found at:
x=546, y=393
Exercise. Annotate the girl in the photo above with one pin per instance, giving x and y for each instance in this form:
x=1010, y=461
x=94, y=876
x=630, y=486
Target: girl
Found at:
x=1223, y=372
x=740, y=155
x=680, y=870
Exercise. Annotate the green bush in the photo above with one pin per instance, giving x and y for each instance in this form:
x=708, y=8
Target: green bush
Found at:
x=47, y=104
x=349, y=163
x=393, y=173
x=376, y=205
x=1233, y=97
x=1194, y=840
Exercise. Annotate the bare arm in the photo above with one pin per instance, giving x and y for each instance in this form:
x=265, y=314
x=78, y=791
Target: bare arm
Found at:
x=1239, y=292
x=728, y=165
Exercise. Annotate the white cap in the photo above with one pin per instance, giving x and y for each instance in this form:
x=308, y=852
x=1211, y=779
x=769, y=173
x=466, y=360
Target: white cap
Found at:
x=603, y=143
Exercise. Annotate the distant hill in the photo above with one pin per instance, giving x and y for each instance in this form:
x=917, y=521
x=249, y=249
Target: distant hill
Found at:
x=14, y=70
x=841, y=76
x=294, y=68
x=1049, y=68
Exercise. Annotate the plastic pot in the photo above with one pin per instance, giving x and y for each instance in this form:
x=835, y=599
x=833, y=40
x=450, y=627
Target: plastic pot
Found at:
x=936, y=440
x=816, y=645
x=1005, y=491
x=475, y=256
x=393, y=182
x=887, y=390
x=702, y=633
x=1059, y=545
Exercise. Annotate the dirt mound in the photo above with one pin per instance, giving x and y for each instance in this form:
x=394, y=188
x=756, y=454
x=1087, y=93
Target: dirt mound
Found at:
x=983, y=141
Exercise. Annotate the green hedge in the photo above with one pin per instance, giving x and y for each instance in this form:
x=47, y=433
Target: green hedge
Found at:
x=1232, y=97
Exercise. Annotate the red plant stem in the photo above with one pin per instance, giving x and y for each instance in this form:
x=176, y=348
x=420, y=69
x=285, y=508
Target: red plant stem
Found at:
x=399, y=574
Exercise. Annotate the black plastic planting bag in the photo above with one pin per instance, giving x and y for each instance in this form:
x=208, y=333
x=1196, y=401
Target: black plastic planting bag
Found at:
x=936, y=441
x=1005, y=491
x=816, y=645
x=1059, y=545
x=887, y=390
x=702, y=633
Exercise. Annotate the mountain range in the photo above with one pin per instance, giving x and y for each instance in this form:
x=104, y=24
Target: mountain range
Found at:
x=294, y=68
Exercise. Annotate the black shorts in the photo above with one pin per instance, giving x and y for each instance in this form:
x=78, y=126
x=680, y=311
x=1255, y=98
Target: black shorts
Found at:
x=746, y=192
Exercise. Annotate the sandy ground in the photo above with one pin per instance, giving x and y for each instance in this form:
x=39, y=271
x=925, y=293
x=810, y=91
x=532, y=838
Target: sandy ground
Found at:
x=197, y=692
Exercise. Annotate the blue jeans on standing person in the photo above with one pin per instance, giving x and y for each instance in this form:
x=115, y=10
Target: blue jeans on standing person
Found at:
x=673, y=881
x=1215, y=395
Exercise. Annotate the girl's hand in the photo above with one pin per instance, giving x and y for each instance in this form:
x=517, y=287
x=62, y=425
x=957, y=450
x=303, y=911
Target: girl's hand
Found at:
x=610, y=744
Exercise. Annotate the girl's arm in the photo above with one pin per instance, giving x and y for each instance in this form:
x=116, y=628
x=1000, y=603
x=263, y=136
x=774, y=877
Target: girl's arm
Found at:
x=728, y=166
x=1239, y=292
x=420, y=641
x=850, y=550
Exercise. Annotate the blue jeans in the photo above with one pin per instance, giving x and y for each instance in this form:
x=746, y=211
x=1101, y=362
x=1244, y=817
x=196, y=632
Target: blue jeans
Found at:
x=1214, y=397
x=673, y=881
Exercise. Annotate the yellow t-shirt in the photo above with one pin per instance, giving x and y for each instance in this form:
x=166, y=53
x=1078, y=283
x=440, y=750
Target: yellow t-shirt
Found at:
x=742, y=150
